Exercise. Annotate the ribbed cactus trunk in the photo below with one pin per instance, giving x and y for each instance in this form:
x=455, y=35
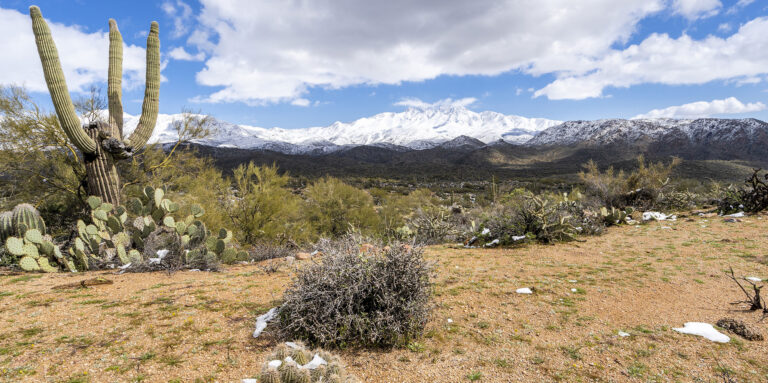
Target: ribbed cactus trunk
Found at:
x=101, y=173
x=101, y=143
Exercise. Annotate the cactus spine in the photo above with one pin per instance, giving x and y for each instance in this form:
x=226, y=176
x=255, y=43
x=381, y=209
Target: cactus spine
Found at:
x=289, y=365
x=101, y=143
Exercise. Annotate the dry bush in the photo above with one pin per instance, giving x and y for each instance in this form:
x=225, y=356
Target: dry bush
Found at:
x=375, y=299
x=752, y=197
x=264, y=251
x=639, y=188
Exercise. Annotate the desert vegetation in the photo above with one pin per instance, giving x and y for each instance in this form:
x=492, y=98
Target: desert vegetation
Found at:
x=326, y=265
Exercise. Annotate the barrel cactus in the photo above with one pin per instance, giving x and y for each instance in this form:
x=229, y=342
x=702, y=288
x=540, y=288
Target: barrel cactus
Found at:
x=101, y=143
x=26, y=244
x=291, y=362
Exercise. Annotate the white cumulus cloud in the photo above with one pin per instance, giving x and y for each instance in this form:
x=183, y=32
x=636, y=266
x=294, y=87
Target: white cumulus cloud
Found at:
x=300, y=102
x=702, y=109
x=696, y=9
x=263, y=51
x=181, y=14
x=448, y=102
x=661, y=59
x=179, y=53
x=84, y=56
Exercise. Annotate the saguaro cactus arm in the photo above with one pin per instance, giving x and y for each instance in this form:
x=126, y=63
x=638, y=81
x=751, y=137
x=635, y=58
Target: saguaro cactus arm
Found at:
x=57, y=85
x=115, y=79
x=149, y=108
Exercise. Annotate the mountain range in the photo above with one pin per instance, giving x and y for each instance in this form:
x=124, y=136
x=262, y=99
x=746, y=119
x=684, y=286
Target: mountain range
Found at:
x=426, y=128
x=458, y=143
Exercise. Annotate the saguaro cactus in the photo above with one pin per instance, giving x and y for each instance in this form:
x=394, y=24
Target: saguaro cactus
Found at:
x=101, y=144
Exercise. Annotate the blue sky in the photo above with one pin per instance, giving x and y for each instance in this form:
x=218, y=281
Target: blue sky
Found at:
x=310, y=63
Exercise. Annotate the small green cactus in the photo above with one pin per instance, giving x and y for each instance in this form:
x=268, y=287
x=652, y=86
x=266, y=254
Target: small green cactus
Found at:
x=293, y=366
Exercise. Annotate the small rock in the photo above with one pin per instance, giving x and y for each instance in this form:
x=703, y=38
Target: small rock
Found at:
x=739, y=328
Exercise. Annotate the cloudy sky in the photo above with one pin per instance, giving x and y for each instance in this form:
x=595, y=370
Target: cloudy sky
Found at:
x=299, y=63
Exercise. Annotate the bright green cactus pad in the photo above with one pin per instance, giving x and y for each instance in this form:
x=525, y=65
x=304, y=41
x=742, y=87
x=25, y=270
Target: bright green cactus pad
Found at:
x=28, y=264
x=46, y=266
x=34, y=236
x=15, y=246
x=197, y=211
x=169, y=221
x=30, y=250
x=94, y=202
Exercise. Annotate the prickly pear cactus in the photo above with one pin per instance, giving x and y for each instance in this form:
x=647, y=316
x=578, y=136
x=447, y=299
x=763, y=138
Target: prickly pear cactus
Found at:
x=292, y=362
x=117, y=235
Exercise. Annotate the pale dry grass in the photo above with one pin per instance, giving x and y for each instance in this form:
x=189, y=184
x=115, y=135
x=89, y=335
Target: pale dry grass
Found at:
x=193, y=326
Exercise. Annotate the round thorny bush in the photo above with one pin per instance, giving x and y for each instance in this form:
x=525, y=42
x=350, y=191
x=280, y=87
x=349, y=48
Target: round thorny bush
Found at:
x=359, y=295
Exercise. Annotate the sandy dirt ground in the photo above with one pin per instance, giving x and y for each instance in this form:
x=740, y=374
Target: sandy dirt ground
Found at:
x=197, y=326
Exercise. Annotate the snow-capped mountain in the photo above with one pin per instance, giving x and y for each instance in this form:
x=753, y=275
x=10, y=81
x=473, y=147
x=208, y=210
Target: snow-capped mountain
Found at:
x=614, y=131
x=459, y=128
x=415, y=128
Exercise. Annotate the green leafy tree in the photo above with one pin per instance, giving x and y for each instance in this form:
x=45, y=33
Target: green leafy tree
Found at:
x=262, y=208
x=335, y=208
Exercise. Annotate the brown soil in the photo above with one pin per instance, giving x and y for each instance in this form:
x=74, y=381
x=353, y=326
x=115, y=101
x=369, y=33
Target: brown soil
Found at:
x=196, y=326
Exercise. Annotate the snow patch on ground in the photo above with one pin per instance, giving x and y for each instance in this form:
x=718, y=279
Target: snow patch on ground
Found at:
x=524, y=290
x=656, y=216
x=623, y=334
x=261, y=321
x=703, y=329
x=735, y=215
x=754, y=279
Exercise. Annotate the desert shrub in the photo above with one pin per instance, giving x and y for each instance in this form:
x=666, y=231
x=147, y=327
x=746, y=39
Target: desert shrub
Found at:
x=639, y=188
x=545, y=218
x=270, y=250
x=261, y=207
x=432, y=224
x=356, y=298
x=678, y=200
x=395, y=209
x=334, y=208
x=752, y=197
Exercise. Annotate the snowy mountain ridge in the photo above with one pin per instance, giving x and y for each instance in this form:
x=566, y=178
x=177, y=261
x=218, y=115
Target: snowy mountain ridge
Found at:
x=414, y=128
x=454, y=126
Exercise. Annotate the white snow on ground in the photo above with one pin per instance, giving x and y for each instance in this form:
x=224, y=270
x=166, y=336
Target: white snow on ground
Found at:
x=250, y=381
x=261, y=321
x=754, y=279
x=275, y=363
x=292, y=345
x=492, y=243
x=524, y=290
x=485, y=231
x=623, y=334
x=518, y=238
x=703, y=329
x=656, y=216
x=735, y=215
x=316, y=362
